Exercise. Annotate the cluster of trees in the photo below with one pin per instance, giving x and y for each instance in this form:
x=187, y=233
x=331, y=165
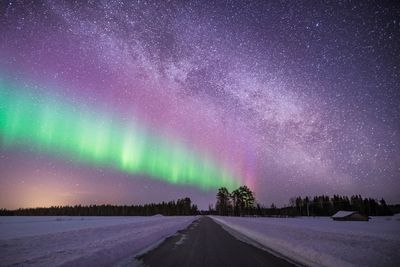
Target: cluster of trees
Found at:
x=238, y=203
x=327, y=206
x=182, y=206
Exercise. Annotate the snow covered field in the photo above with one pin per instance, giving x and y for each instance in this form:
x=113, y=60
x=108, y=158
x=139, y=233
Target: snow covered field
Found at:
x=81, y=241
x=321, y=241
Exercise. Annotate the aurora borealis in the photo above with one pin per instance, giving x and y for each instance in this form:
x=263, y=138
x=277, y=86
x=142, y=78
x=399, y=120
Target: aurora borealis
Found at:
x=49, y=125
x=145, y=101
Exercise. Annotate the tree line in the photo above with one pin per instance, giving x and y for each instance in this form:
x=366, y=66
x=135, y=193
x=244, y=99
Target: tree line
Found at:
x=327, y=206
x=182, y=206
x=242, y=202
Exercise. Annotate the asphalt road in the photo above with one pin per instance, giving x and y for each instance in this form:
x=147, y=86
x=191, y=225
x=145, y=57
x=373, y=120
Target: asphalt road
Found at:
x=206, y=243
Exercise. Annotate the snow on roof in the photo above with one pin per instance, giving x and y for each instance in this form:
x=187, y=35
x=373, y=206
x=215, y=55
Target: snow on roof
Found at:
x=343, y=213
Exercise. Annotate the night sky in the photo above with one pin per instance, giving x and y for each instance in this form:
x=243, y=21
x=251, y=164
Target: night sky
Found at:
x=127, y=102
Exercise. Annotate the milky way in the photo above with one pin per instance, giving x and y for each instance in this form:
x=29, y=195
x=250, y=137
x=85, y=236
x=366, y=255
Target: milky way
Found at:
x=290, y=98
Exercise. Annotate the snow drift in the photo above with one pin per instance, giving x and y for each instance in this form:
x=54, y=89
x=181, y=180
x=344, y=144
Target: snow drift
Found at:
x=81, y=241
x=322, y=241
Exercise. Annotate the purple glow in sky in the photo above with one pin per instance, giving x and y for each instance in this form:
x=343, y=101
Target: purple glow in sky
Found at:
x=295, y=98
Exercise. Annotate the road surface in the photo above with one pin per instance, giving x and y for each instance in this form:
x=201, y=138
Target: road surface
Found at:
x=206, y=243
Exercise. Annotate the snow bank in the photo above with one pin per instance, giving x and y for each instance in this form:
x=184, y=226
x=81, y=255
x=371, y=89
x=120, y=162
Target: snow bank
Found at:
x=322, y=241
x=81, y=241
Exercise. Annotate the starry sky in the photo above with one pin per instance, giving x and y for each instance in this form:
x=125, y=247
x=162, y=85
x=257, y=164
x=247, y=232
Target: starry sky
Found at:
x=127, y=102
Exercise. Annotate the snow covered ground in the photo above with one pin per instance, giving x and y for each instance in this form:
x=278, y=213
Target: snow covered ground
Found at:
x=81, y=241
x=321, y=241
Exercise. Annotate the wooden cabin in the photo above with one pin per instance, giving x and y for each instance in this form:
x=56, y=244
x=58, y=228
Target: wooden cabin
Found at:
x=349, y=216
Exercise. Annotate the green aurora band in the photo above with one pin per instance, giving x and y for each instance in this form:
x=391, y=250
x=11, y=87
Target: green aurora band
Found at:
x=52, y=125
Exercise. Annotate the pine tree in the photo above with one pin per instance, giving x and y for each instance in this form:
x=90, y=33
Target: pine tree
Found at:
x=223, y=201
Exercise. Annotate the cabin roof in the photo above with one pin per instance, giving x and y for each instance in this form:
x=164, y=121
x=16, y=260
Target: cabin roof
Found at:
x=343, y=213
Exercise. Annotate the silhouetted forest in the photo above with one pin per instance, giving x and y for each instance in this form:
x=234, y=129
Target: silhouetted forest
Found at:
x=327, y=206
x=182, y=206
x=242, y=202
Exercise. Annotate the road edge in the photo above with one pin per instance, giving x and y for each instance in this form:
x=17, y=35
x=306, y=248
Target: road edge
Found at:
x=135, y=261
x=244, y=238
